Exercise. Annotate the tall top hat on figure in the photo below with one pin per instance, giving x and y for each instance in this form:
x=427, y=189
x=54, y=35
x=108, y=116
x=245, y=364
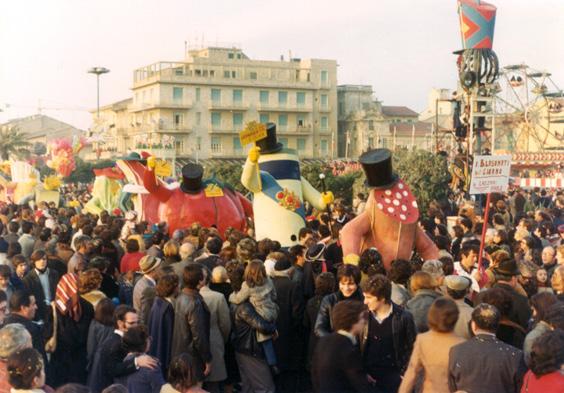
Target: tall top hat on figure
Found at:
x=390, y=194
x=269, y=144
x=192, y=178
x=477, y=22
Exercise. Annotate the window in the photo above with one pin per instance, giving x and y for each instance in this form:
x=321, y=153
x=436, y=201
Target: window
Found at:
x=324, y=122
x=324, y=101
x=216, y=95
x=179, y=71
x=230, y=55
x=226, y=74
x=233, y=74
x=216, y=120
x=237, y=144
x=264, y=118
x=198, y=92
x=253, y=75
x=384, y=143
x=264, y=96
x=282, y=97
x=199, y=143
x=198, y=118
x=238, y=120
x=371, y=125
x=237, y=96
x=178, y=119
x=300, y=98
x=282, y=121
x=238, y=55
x=324, y=76
x=284, y=141
x=216, y=144
x=301, y=120
x=324, y=147
x=370, y=143
x=176, y=94
x=301, y=143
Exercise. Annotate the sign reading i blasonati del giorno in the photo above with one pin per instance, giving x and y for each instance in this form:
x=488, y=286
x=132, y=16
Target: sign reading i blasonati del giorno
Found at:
x=490, y=174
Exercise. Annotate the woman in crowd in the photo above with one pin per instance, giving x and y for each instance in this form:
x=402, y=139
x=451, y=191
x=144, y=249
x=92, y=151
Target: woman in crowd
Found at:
x=220, y=281
x=181, y=376
x=101, y=327
x=547, y=362
x=423, y=288
x=89, y=286
x=26, y=371
x=136, y=342
x=542, y=281
x=130, y=261
x=170, y=252
x=161, y=319
x=70, y=319
x=348, y=277
x=540, y=304
x=431, y=349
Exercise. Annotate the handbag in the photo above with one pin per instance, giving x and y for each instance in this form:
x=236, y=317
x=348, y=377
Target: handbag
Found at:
x=51, y=344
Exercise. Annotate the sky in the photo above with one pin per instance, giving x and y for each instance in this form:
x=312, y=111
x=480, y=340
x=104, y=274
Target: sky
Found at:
x=403, y=48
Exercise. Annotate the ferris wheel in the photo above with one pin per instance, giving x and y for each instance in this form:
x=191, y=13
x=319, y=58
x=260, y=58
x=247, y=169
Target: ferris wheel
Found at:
x=529, y=110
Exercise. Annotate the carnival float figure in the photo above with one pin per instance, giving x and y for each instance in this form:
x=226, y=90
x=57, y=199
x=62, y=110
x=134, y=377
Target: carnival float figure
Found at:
x=272, y=174
x=107, y=191
x=208, y=202
x=389, y=222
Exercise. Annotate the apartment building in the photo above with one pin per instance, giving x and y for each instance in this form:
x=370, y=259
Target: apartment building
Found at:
x=202, y=103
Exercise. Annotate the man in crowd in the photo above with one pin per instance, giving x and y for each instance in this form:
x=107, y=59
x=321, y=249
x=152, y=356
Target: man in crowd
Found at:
x=457, y=288
x=144, y=290
x=210, y=258
x=467, y=265
x=41, y=282
x=548, y=257
x=484, y=363
x=387, y=339
x=79, y=260
x=26, y=240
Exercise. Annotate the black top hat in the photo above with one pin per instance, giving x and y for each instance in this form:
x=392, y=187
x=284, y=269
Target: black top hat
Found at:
x=377, y=165
x=269, y=144
x=192, y=178
x=133, y=156
x=507, y=267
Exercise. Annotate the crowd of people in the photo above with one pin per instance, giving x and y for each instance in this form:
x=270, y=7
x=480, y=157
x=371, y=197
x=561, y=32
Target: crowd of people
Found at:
x=111, y=303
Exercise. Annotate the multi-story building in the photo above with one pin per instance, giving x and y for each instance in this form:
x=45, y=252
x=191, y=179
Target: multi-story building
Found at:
x=202, y=104
x=43, y=129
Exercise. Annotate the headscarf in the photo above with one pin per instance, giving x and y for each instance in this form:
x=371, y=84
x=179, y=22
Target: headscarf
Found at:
x=67, y=299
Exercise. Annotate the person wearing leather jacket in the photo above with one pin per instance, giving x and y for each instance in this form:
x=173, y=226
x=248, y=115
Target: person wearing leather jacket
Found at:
x=348, y=277
x=255, y=372
x=388, y=337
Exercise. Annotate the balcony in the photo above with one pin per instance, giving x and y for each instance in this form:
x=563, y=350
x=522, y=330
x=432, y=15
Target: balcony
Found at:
x=224, y=106
x=162, y=104
x=325, y=108
x=284, y=108
x=226, y=129
x=218, y=151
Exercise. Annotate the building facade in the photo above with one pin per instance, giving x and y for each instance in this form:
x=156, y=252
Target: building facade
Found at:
x=43, y=129
x=201, y=104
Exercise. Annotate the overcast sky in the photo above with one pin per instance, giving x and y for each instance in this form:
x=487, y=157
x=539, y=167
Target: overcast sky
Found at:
x=402, y=48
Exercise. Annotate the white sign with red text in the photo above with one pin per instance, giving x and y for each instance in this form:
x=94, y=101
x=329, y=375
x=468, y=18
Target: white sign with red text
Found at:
x=490, y=174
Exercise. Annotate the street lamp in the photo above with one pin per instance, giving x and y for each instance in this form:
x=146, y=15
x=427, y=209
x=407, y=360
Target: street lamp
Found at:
x=98, y=71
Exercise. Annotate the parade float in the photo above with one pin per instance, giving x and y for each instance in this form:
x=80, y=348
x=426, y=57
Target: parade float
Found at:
x=389, y=222
x=272, y=174
x=208, y=202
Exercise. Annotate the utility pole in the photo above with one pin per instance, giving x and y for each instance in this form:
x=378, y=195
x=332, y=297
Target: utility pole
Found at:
x=98, y=71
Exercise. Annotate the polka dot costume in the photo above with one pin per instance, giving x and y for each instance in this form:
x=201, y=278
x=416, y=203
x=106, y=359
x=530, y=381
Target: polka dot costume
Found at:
x=398, y=203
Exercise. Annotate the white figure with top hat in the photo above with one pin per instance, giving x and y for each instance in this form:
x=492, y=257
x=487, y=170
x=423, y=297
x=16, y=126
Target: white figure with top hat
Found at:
x=389, y=222
x=272, y=174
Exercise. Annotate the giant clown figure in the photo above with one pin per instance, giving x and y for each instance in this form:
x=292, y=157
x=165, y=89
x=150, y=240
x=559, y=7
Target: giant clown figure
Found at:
x=272, y=174
x=389, y=222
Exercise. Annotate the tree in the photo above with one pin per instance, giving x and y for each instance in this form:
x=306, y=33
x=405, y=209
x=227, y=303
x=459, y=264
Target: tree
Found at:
x=341, y=186
x=13, y=143
x=425, y=173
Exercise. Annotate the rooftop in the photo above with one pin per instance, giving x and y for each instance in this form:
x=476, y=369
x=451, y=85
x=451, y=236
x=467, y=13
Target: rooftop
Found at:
x=402, y=111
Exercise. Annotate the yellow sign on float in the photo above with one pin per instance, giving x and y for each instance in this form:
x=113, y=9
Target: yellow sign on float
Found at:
x=213, y=191
x=253, y=132
x=163, y=168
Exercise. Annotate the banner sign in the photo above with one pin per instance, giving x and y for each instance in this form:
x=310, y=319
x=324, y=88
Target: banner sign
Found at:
x=490, y=174
x=253, y=132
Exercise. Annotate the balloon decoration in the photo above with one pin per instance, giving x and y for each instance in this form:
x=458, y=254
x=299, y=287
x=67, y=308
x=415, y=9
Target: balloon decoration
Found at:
x=61, y=157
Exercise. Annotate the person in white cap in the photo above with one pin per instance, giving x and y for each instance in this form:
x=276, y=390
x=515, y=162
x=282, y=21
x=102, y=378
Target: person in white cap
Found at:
x=457, y=288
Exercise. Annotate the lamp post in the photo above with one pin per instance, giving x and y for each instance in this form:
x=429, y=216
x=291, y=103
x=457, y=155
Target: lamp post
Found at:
x=98, y=71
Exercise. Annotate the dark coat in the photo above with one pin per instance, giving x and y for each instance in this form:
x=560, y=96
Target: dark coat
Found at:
x=161, y=325
x=419, y=306
x=224, y=288
x=32, y=283
x=211, y=261
x=323, y=325
x=485, y=364
x=97, y=334
x=111, y=361
x=289, y=322
x=403, y=332
x=69, y=361
x=521, y=312
x=192, y=328
x=246, y=323
x=337, y=366
x=35, y=330
x=144, y=380
x=310, y=316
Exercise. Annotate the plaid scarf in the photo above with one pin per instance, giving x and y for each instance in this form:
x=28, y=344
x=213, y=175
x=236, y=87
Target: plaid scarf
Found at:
x=67, y=299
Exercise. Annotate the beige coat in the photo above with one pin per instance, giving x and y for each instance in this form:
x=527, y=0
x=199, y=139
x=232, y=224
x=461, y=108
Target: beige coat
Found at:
x=430, y=354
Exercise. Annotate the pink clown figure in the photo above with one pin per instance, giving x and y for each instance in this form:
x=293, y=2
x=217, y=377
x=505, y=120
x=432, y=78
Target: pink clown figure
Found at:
x=389, y=222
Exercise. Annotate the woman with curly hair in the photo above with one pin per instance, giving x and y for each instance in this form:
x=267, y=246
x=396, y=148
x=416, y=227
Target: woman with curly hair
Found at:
x=89, y=283
x=547, y=359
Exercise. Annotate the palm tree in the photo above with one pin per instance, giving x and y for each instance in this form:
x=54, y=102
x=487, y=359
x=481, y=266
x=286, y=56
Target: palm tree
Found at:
x=13, y=143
